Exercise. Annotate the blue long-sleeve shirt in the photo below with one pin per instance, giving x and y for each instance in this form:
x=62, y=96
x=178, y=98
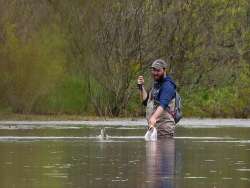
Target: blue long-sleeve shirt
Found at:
x=163, y=92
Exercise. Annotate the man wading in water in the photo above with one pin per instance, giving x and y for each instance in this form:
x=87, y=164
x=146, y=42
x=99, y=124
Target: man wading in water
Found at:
x=160, y=100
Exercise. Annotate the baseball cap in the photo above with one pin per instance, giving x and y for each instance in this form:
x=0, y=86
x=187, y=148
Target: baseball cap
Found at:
x=159, y=64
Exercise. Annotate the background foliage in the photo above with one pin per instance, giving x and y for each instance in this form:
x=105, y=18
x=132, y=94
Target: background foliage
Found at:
x=84, y=56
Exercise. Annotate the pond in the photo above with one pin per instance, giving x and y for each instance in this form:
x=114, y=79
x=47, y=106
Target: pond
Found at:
x=77, y=156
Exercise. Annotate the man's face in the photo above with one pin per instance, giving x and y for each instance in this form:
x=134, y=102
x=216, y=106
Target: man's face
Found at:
x=157, y=74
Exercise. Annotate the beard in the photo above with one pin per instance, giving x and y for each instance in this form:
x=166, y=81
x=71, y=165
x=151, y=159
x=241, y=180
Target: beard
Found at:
x=158, y=77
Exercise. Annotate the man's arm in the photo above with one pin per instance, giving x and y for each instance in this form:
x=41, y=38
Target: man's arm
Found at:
x=155, y=116
x=143, y=92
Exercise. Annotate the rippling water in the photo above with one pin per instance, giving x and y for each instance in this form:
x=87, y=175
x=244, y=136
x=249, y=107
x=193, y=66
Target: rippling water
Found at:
x=76, y=155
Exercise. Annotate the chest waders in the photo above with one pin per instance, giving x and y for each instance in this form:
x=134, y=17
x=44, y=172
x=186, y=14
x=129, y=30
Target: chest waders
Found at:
x=166, y=124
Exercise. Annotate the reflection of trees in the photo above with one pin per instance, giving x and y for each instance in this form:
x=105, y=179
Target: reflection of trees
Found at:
x=30, y=164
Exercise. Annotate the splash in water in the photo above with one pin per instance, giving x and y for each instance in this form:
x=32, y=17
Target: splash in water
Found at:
x=103, y=135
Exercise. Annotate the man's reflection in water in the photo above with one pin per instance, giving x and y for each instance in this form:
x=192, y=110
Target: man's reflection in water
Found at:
x=160, y=161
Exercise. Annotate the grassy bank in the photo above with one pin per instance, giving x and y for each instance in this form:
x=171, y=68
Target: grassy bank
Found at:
x=69, y=102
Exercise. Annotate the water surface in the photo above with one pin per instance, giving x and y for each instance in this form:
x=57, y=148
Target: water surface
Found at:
x=77, y=156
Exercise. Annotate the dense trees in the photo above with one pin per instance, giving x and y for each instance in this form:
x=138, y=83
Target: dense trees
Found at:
x=83, y=56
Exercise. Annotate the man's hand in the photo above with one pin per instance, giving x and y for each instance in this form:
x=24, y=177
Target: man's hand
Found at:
x=152, y=122
x=140, y=80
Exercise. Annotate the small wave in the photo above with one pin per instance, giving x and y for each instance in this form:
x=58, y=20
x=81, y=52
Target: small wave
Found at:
x=225, y=141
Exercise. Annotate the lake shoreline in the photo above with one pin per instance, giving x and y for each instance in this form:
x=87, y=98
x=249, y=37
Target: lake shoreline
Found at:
x=69, y=117
x=102, y=121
